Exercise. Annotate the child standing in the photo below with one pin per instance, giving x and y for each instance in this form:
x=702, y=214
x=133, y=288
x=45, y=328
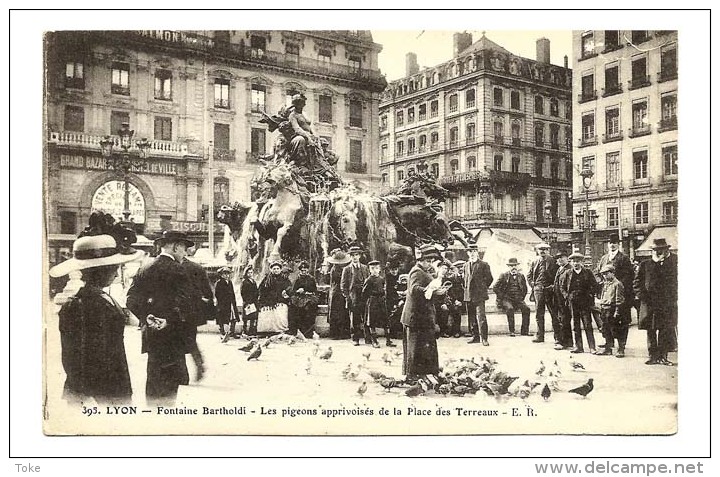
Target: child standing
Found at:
x=611, y=301
x=373, y=293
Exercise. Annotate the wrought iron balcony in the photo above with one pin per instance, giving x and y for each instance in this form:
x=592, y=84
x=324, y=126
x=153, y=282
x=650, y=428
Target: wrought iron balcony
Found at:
x=163, y=95
x=222, y=103
x=356, y=167
x=667, y=75
x=587, y=141
x=223, y=154
x=612, y=90
x=549, y=182
x=667, y=124
x=638, y=131
x=611, y=137
x=119, y=89
x=75, y=83
x=586, y=96
x=639, y=82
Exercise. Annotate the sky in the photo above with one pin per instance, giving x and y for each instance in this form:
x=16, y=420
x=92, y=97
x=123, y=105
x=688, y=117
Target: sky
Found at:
x=436, y=46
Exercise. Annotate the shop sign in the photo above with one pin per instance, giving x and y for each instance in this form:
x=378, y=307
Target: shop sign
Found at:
x=110, y=198
x=195, y=227
x=99, y=163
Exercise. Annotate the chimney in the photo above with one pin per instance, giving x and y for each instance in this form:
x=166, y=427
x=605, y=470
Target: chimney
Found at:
x=565, y=61
x=411, y=64
x=460, y=42
x=543, y=51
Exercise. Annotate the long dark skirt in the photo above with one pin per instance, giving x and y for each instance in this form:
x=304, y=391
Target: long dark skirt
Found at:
x=420, y=354
x=338, y=317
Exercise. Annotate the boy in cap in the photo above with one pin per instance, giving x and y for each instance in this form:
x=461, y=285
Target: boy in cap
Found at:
x=510, y=290
x=612, y=298
x=373, y=294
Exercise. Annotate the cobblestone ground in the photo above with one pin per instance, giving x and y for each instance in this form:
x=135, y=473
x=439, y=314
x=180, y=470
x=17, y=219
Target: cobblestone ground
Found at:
x=629, y=397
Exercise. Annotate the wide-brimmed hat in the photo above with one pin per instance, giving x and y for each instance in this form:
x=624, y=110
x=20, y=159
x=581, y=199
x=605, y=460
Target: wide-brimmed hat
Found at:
x=338, y=257
x=373, y=262
x=608, y=267
x=614, y=238
x=94, y=251
x=303, y=264
x=224, y=270
x=355, y=249
x=275, y=263
x=403, y=277
x=575, y=255
x=458, y=263
x=513, y=261
x=560, y=254
x=429, y=251
x=174, y=236
x=659, y=243
x=542, y=245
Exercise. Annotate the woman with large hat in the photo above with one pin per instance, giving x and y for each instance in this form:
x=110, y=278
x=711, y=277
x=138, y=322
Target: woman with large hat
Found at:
x=338, y=317
x=92, y=324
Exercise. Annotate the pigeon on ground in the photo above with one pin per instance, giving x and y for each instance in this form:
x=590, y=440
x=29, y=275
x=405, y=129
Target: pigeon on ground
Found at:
x=351, y=375
x=461, y=390
x=327, y=354
x=492, y=389
x=376, y=375
x=255, y=353
x=316, y=349
x=575, y=365
x=367, y=356
x=315, y=336
x=248, y=346
x=266, y=343
x=444, y=389
x=346, y=370
x=541, y=369
x=363, y=387
x=388, y=383
x=545, y=393
x=398, y=353
x=583, y=390
x=416, y=390
x=387, y=359
x=291, y=341
x=308, y=366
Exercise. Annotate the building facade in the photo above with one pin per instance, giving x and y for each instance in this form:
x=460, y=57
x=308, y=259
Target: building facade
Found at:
x=625, y=89
x=495, y=128
x=197, y=97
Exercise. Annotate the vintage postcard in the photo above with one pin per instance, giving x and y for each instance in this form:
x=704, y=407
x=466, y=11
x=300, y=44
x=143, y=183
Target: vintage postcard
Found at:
x=360, y=232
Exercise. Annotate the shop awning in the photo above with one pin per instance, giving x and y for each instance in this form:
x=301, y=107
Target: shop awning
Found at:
x=669, y=233
x=563, y=235
x=518, y=236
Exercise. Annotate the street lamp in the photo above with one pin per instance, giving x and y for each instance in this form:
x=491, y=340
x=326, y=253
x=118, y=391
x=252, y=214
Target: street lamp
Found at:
x=550, y=235
x=587, y=220
x=131, y=154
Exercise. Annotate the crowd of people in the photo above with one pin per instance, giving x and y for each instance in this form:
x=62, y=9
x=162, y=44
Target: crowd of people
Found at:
x=171, y=296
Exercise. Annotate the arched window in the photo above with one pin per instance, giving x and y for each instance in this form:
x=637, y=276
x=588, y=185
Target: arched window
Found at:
x=515, y=132
x=453, y=103
x=498, y=131
x=516, y=163
x=539, y=205
x=539, y=134
x=554, y=169
x=539, y=105
x=554, y=108
x=470, y=133
x=539, y=165
x=454, y=166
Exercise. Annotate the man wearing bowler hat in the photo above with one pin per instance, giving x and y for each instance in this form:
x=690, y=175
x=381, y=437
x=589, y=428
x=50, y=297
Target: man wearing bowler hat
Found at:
x=579, y=289
x=161, y=297
x=478, y=278
x=563, y=337
x=510, y=290
x=540, y=278
x=656, y=285
x=351, y=285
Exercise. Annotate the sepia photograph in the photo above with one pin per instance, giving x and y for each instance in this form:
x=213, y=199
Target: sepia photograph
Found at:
x=432, y=229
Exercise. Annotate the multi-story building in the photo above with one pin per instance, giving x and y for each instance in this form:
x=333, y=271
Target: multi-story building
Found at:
x=625, y=88
x=495, y=128
x=197, y=97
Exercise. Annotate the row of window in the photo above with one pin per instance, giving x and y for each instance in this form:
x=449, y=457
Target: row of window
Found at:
x=641, y=214
x=640, y=121
x=613, y=40
x=613, y=176
x=120, y=74
x=639, y=75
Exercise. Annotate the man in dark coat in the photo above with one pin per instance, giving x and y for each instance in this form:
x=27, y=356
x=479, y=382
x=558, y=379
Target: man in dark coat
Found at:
x=656, y=286
x=510, y=290
x=351, y=284
x=540, y=278
x=420, y=355
x=338, y=317
x=160, y=297
x=392, y=298
x=303, y=302
x=203, y=310
x=561, y=306
x=624, y=272
x=579, y=290
x=478, y=278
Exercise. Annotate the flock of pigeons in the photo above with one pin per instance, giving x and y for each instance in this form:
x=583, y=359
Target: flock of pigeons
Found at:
x=457, y=376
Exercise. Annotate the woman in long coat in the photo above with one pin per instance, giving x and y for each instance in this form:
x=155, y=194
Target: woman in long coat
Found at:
x=249, y=293
x=92, y=325
x=420, y=354
x=373, y=293
x=338, y=317
x=227, y=310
